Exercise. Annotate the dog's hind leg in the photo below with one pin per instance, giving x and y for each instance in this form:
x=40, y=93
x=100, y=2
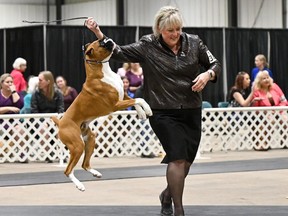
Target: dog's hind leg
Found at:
x=70, y=135
x=89, y=139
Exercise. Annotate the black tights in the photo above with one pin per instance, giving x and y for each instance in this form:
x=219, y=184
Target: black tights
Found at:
x=175, y=175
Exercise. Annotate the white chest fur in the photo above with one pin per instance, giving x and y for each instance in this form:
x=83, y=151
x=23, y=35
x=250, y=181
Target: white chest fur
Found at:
x=113, y=79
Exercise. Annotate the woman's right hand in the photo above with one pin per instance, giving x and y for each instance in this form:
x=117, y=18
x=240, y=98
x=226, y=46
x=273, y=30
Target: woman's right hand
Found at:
x=91, y=24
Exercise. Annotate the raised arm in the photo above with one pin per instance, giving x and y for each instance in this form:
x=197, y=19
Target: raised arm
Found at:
x=94, y=27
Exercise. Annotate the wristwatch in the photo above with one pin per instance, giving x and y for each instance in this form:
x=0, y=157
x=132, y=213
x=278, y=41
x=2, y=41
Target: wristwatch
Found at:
x=210, y=72
x=13, y=92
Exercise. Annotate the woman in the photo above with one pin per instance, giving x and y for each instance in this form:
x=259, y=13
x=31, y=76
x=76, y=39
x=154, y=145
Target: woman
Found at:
x=261, y=64
x=69, y=93
x=238, y=96
x=268, y=93
x=10, y=100
x=19, y=67
x=47, y=98
x=171, y=61
x=135, y=76
x=32, y=85
x=123, y=70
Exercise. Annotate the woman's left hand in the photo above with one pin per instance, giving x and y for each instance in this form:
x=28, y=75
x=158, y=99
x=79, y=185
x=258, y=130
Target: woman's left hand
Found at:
x=200, y=82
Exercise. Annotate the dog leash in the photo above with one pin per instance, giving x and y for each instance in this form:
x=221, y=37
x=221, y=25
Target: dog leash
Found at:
x=52, y=21
x=83, y=34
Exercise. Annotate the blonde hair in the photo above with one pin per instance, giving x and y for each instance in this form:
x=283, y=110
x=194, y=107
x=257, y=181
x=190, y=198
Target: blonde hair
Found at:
x=258, y=79
x=18, y=62
x=3, y=77
x=51, y=90
x=262, y=58
x=167, y=16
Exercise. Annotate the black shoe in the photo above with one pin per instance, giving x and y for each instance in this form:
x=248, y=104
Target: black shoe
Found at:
x=166, y=208
x=151, y=155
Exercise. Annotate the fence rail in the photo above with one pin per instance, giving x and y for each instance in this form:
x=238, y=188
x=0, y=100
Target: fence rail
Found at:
x=33, y=137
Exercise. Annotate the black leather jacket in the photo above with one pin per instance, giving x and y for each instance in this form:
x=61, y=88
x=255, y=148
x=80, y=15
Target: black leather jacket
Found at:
x=168, y=77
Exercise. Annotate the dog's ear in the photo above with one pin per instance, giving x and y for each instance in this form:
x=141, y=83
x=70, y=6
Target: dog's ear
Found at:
x=86, y=45
x=89, y=51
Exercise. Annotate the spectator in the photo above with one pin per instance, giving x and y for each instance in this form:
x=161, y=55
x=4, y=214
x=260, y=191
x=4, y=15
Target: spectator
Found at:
x=125, y=67
x=171, y=61
x=135, y=76
x=267, y=93
x=47, y=98
x=11, y=101
x=19, y=67
x=238, y=96
x=126, y=89
x=261, y=64
x=32, y=85
x=69, y=93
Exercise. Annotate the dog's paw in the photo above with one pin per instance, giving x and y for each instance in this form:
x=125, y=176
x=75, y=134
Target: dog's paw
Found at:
x=80, y=187
x=95, y=173
x=140, y=112
x=78, y=184
x=143, y=106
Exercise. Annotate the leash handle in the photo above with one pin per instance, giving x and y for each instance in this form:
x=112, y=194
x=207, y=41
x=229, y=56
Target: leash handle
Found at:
x=75, y=18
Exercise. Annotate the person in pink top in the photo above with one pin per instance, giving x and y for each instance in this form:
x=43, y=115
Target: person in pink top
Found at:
x=19, y=67
x=267, y=92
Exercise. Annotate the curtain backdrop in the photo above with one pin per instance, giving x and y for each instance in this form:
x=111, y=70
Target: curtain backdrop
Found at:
x=279, y=57
x=64, y=49
x=242, y=45
x=64, y=53
x=28, y=43
x=2, y=68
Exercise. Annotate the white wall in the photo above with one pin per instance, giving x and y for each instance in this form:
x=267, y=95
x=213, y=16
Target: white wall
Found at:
x=12, y=15
x=196, y=13
x=102, y=10
x=270, y=15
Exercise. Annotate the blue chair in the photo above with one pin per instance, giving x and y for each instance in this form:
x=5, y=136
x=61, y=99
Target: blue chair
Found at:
x=206, y=104
x=223, y=104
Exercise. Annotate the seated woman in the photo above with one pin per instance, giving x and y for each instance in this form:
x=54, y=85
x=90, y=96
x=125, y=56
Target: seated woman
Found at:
x=11, y=102
x=135, y=77
x=47, y=98
x=126, y=84
x=69, y=93
x=32, y=85
x=238, y=96
x=267, y=93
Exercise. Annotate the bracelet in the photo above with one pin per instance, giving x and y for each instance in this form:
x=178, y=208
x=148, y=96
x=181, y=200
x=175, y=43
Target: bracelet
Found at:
x=13, y=92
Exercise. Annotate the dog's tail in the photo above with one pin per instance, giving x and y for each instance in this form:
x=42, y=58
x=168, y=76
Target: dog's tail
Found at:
x=55, y=120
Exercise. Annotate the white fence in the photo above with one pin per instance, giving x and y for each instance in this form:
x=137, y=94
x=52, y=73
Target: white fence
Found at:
x=33, y=137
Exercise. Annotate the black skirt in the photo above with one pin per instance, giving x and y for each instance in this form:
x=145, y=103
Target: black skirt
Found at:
x=179, y=132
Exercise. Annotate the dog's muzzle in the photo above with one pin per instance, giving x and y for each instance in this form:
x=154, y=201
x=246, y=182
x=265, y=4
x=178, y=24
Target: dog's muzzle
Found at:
x=107, y=43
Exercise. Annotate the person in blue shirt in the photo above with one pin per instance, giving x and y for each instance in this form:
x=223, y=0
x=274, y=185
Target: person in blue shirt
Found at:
x=261, y=64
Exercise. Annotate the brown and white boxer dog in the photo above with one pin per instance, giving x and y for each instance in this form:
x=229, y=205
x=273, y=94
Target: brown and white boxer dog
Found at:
x=101, y=94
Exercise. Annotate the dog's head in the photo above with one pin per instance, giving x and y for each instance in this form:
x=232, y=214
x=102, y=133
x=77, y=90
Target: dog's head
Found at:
x=99, y=51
